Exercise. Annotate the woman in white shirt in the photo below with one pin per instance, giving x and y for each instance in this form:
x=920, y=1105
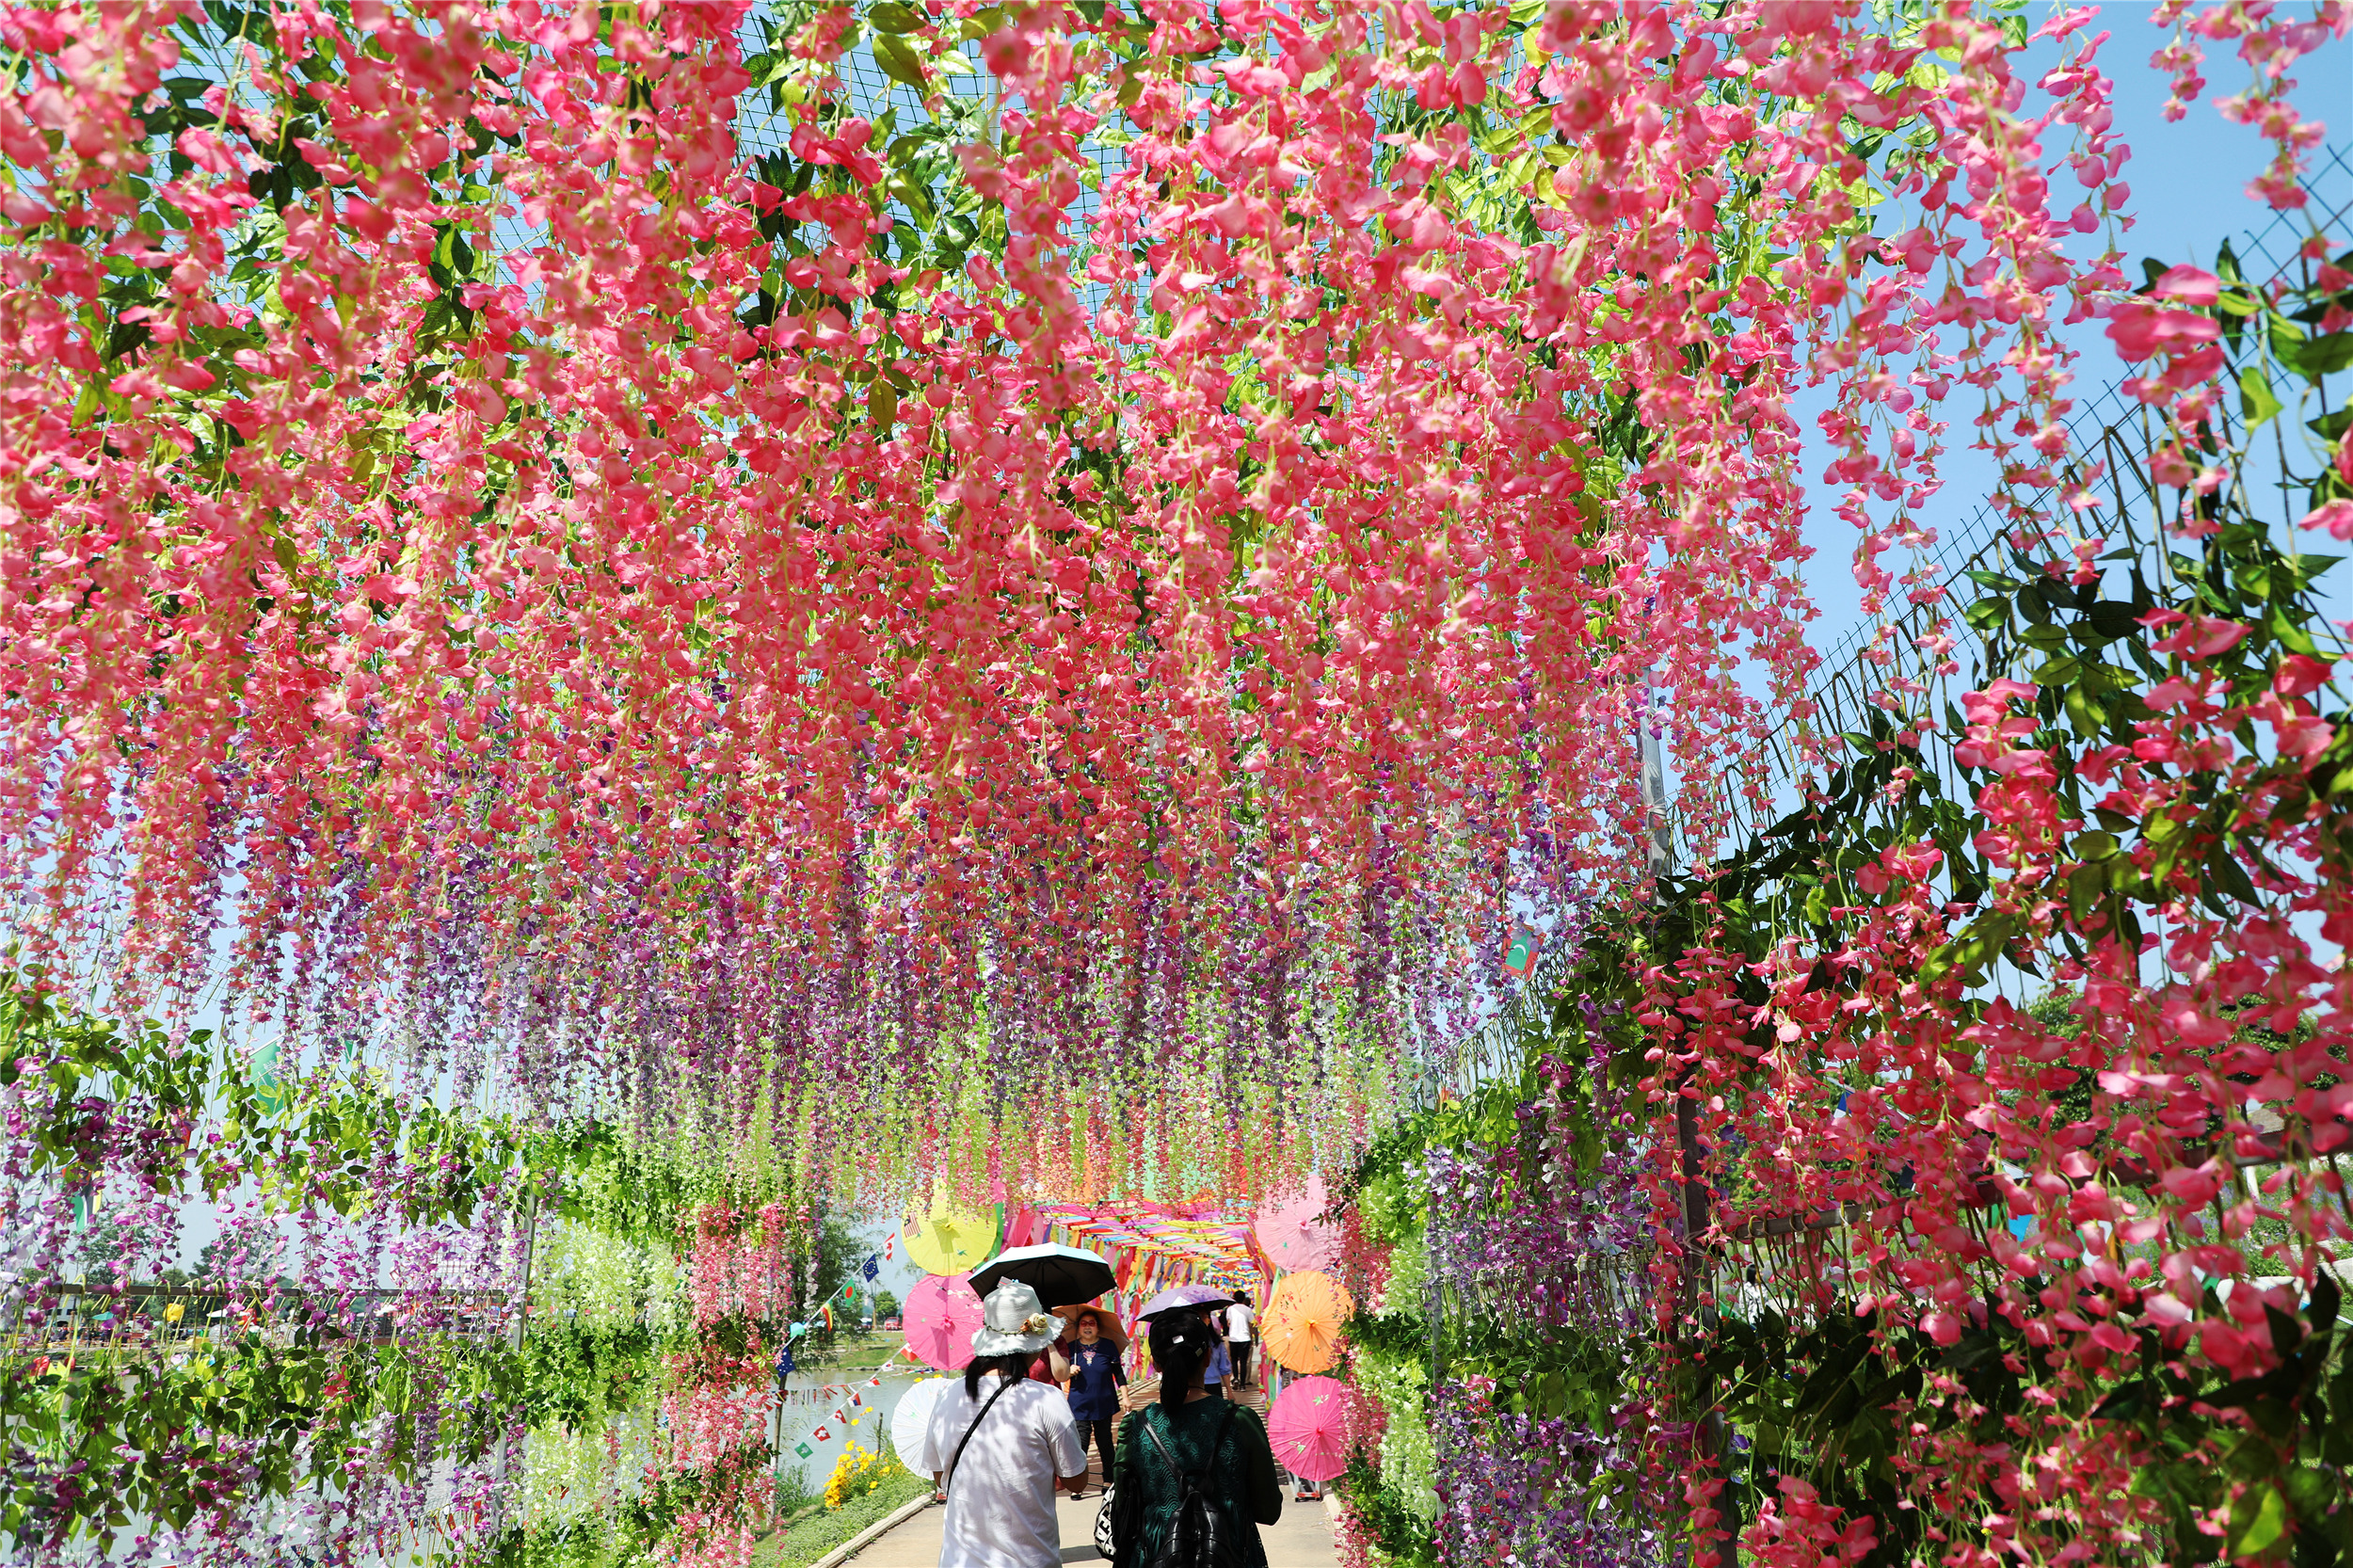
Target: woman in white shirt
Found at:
x=999, y=1442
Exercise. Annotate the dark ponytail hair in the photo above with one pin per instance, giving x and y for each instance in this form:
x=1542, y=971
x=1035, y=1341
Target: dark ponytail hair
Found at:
x=1013, y=1363
x=1182, y=1344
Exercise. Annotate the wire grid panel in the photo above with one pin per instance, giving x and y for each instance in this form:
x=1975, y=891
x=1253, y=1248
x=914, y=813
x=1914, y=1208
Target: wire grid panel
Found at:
x=1878, y=667
x=1878, y=671
x=763, y=124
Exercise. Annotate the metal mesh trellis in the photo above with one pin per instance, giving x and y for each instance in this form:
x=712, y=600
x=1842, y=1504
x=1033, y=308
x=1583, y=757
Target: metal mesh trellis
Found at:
x=1862, y=671
x=1877, y=669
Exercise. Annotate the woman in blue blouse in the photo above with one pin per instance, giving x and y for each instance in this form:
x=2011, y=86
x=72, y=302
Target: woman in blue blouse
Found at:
x=1096, y=1379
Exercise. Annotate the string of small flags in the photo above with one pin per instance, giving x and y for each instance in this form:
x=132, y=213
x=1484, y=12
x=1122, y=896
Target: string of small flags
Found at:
x=866, y=1272
x=843, y=1412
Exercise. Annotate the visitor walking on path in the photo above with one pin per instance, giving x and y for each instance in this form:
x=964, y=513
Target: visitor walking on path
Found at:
x=997, y=1443
x=1189, y=1438
x=1219, y=1365
x=1095, y=1380
x=1237, y=1337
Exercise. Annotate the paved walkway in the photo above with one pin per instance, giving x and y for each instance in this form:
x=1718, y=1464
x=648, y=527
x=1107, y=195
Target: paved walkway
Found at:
x=1302, y=1540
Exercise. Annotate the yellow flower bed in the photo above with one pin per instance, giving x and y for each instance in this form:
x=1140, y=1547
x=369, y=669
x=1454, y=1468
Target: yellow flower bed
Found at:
x=854, y=1474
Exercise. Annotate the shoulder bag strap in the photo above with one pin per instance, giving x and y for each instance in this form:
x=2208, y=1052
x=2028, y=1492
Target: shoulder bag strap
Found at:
x=1223, y=1428
x=950, y=1479
x=1165, y=1458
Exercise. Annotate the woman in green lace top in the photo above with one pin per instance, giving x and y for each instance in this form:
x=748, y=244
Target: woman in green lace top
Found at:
x=1159, y=1443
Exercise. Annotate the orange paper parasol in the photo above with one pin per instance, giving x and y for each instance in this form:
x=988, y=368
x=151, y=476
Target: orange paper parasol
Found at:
x=1302, y=1326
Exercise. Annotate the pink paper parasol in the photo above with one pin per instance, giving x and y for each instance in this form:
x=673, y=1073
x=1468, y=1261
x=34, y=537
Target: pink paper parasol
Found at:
x=941, y=1315
x=1308, y=1427
x=1287, y=1228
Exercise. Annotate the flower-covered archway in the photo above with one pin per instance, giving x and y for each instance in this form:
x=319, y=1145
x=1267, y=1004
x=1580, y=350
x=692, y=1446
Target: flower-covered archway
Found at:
x=709, y=610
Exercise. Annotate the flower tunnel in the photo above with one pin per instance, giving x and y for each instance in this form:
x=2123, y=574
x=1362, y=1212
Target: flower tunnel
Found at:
x=668, y=667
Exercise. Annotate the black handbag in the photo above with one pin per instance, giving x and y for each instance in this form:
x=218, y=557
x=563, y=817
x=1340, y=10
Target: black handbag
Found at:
x=1107, y=1522
x=1121, y=1518
x=1200, y=1536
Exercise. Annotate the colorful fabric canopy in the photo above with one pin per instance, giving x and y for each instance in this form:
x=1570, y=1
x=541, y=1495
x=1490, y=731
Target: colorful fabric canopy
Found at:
x=1222, y=1250
x=1156, y=1247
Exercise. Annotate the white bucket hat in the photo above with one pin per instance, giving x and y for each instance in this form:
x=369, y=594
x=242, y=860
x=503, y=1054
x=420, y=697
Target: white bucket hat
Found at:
x=1016, y=1322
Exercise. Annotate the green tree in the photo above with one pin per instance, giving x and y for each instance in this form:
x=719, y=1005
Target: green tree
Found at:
x=832, y=1254
x=836, y=1253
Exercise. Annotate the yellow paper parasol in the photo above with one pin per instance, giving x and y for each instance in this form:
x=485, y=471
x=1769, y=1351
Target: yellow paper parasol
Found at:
x=951, y=1240
x=1302, y=1325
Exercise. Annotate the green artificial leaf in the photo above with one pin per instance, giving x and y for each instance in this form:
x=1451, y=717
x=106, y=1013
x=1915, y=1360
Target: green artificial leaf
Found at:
x=452, y=253
x=2312, y=1493
x=2287, y=1331
x=2307, y=569
x=1970, y=951
x=2315, y=356
x=2326, y=1299
x=899, y=60
x=2226, y=874
x=2292, y=636
x=2087, y=716
x=1818, y=905
x=2256, y=399
x=2257, y=1519
x=775, y=69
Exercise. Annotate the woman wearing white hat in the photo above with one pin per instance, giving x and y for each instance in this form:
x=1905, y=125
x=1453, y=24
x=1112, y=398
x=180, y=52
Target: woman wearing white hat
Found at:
x=999, y=1442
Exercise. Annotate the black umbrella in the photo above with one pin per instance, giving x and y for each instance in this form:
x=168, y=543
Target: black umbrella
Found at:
x=1056, y=1274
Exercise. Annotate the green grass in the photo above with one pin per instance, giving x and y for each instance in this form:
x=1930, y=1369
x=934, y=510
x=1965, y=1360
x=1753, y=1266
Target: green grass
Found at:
x=853, y=1351
x=803, y=1542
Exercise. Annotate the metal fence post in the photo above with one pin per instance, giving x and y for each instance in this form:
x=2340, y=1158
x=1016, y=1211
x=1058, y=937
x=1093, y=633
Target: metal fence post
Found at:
x=514, y=1344
x=1710, y=1433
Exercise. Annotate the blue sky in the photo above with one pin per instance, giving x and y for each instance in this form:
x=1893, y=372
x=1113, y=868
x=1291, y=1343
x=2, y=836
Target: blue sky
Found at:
x=2188, y=184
